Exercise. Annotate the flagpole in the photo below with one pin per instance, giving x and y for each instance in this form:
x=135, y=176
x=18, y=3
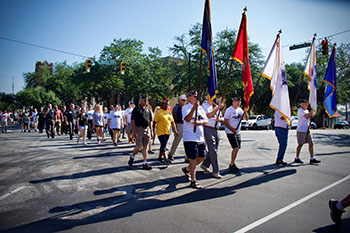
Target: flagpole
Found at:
x=198, y=87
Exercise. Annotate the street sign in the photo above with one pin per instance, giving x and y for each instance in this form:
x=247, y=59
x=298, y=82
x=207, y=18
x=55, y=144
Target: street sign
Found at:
x=106, y=62
x=299, y=46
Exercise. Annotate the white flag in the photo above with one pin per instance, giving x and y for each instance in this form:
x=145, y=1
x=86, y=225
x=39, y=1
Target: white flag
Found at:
x=275, y=71
x=310, y=72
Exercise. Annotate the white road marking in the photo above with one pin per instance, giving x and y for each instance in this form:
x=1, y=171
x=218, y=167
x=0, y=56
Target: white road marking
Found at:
x=288, y=207
x=12, y=192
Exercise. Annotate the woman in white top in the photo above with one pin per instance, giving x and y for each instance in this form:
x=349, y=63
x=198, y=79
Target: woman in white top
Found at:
x=98, y=122
x=115, y=122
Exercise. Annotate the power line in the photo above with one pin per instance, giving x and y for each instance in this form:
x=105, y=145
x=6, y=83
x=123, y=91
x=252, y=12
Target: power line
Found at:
x=42, y=47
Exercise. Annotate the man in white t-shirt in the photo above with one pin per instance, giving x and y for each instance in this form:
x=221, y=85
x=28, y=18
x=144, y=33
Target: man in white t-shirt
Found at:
x=211, y=136
x=303, y=132
x=194, y=142
x=4, y=119
x=232, y=119
x=127, y=121
x=281, y=132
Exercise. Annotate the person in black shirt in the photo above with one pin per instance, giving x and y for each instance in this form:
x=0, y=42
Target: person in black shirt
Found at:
x=41, y=119
x=70, y=116
x=82, y=125
x=141, y=121
x=50, y=121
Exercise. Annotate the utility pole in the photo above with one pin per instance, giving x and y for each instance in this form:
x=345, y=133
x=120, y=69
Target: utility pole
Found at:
x=13, y=86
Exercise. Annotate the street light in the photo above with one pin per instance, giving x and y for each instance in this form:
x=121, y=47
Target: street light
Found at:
x=189, y=66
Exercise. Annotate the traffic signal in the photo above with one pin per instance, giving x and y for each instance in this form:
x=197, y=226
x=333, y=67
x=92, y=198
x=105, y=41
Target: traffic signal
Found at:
x=122, y=68
x=88, y=65
x=325, y=47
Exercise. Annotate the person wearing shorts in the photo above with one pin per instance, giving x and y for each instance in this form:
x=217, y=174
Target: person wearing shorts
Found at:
x=141, y=121
x=115, y=122
x=232, y=118
x=303, y=132
x=127, y=121
x=98, y=122
x=82, y=125
x=194, y=142
x=164, y=120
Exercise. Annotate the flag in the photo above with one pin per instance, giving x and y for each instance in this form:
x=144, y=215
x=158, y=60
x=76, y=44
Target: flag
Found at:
x=241, y=54
x=274, y=69
x=207, y=48
x=310, y=72
x=330, y=96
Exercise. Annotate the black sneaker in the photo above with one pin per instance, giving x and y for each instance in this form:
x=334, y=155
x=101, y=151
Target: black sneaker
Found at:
x=314, y=161
x=147, y=166
x=233, y=168
x=171, y=158
x=160, y=160
x=130, y=162
x=280, y=162
x=167, y=161
x=335, y=212
x=195, y=185
x=297, y=160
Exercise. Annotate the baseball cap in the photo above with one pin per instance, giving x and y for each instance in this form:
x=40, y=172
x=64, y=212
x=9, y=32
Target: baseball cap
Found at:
x=192, y=92
x=165, y=101
x=303, y=101
x=236, y=98
x=131, y=102
x=182, y=97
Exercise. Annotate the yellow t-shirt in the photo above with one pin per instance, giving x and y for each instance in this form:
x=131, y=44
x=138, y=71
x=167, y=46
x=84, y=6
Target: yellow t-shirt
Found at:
x=163, y=118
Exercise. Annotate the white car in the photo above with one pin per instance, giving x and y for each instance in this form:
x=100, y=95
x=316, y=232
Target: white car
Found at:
x=257, y=122
x=293, y=122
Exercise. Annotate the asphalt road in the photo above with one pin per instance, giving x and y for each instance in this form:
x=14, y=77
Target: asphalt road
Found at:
x=55, y=185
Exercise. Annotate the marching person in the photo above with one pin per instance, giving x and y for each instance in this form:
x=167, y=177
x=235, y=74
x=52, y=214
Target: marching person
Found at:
x=281, y=132
x=105, y=128
x=232, y=118
x=58, y=123
x=70, y=116
x=50, y=117
x=34, y=119
x=26, y=120
x=194, y=142
x=211, y=136
x=90, y=113
x=82, y=123
x=177, y=115
x=98, y=122
x=141, y=120
x=115, y=122
x=4, y=121
x=337, y=208
x=127, y=121
x=164, y=120
x=303, y=132
x=41, y=119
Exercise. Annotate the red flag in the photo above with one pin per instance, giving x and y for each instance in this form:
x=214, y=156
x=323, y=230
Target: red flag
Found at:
x=241, y=54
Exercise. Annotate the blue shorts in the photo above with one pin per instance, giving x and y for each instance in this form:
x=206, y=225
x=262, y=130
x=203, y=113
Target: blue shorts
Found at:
x=163, y=139
x=194, y=150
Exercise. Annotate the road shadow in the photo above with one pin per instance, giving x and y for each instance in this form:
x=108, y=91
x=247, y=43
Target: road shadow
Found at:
x=339, y=140
x=344, y=227
x=136, y=198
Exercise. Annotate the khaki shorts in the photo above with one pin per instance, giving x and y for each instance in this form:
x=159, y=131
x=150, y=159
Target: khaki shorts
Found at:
x=128, y=128
x=143, y=136
x=303, y=137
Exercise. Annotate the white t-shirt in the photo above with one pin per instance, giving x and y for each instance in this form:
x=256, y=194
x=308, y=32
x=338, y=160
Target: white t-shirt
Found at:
x=116, y=119
x=279, y=122
x=187, y=133
x=234, y=116
x=211, y=121
x=106, y=116
x=4, y=117
x=127, y=114
x=303, y=123
x=90, y=114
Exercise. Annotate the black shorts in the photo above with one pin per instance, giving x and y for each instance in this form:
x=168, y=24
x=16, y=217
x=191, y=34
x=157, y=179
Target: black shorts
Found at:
x=235, y=140
x=194, y=150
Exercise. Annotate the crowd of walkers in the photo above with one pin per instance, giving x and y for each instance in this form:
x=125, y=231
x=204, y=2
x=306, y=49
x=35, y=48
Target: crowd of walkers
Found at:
x=194, y=123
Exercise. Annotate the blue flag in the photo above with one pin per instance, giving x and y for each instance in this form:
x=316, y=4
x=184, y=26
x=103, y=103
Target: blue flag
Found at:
x=330, y=96
x=207, y=48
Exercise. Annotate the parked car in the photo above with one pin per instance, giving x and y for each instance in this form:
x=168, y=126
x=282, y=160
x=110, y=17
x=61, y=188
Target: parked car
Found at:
x=341, y=125
x=293, y=122
x=257, y=122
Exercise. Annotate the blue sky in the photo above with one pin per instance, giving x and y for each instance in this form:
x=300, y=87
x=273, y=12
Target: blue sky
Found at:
x=85, y=27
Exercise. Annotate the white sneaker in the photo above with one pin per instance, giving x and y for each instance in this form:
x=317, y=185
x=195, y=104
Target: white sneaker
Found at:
x=217, y=175
x=205, y=169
